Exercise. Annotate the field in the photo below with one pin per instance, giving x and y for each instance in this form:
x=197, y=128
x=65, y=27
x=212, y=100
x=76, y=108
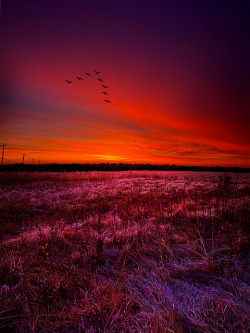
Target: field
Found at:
x=124, y=252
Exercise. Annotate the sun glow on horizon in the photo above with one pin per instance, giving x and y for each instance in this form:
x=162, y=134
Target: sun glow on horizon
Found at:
x=110, y=157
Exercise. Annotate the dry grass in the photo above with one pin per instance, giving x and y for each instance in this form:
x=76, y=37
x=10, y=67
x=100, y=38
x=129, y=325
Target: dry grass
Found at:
x=124, y=252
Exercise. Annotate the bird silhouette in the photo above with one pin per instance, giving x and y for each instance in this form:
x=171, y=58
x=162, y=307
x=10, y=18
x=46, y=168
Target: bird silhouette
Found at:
x=107, y=101
x=97, y=72
x=79, y=78
x=100, y=80
x=87, y=74
x=68, y=81
x=104, y=92
x=104, y=86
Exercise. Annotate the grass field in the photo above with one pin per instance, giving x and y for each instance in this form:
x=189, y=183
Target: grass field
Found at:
x=124, y=252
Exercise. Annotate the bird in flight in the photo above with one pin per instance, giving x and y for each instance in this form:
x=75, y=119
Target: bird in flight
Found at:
x=79, y=78
x=100, y=80
x=97, y=72
x=87, y=74
x=104, y=86
x=104, y=92
x=68, y=81
x=107, y=101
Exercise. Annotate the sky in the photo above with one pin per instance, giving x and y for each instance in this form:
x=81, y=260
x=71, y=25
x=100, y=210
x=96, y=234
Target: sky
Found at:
x=178, y=77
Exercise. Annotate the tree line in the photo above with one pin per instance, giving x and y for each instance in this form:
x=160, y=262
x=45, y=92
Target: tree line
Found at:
x=55, y=167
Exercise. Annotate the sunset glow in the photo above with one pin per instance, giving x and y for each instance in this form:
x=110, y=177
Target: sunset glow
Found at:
x=177, y=72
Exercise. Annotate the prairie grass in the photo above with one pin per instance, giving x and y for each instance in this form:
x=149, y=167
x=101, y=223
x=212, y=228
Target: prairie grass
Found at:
x=124, y=252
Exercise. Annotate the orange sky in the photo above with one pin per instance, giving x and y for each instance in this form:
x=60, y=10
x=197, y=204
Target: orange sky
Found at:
x=178, y=87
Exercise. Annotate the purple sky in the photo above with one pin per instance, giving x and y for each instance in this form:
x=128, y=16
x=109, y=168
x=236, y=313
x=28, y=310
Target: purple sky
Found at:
x=178, y=74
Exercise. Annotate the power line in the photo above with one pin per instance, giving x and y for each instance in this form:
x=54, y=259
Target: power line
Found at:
x=14, y=150
x=10, y=161
x=4, y=145
x=17, y=151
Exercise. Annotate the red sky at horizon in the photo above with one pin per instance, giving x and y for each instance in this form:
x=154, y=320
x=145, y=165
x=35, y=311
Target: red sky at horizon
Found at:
x=178, y=78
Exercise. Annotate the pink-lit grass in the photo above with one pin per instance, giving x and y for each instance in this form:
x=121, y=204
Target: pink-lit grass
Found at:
x=117, y=255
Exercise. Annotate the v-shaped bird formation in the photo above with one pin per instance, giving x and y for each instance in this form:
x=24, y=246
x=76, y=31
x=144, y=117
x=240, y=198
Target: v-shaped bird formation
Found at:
x=79, y=78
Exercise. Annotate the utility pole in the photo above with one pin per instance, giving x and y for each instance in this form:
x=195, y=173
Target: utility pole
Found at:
x=3, y=151
x=23, y=157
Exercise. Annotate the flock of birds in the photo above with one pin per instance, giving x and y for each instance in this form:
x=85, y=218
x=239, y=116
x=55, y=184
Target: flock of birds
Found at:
x=99, y=79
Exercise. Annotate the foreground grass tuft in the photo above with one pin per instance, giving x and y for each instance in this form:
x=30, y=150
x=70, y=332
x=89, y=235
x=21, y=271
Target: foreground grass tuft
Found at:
x=163, y=252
